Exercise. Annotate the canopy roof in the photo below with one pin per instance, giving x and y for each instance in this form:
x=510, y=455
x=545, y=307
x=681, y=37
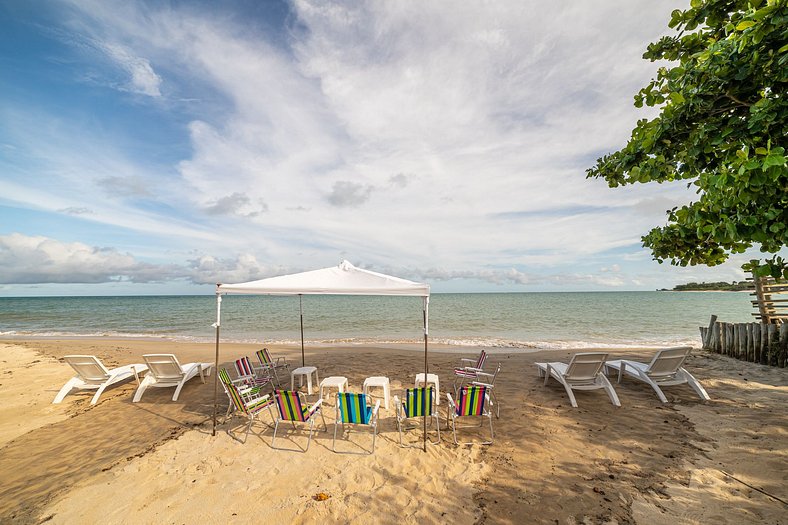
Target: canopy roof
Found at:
x=344, y=279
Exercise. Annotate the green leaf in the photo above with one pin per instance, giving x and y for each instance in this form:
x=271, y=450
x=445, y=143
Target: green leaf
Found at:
x=677, y=98
x=744, y=25
x=761, y=151
x=773, y=160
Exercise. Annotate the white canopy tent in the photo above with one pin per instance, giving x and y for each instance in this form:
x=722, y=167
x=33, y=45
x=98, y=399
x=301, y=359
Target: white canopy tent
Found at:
x=344, y=279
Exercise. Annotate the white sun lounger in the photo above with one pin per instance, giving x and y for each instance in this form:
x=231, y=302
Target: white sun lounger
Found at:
x=165, y=371
x=93, y=375
x=584, y=372
x=664, y=370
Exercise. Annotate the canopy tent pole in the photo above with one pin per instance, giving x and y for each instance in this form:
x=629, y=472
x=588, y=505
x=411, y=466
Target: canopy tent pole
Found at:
x=425, y=311
x=216, y=361
x=301, y=311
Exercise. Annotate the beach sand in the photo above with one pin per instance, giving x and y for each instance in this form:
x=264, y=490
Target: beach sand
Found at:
x=157, y=461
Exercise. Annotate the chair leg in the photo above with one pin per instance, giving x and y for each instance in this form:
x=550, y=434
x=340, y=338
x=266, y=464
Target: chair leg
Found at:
x=146, y=381
x=611, y=392
x=276, y=427
x=569, y=392
x=695, y=385
x=646, y=379
x=70, y=384
x=178, y=389
x=98, y=393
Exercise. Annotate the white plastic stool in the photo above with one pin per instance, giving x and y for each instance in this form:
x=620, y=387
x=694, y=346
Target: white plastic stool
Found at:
x=380, y=382
x=301, y=372
x=431, y=378
x=337, y=382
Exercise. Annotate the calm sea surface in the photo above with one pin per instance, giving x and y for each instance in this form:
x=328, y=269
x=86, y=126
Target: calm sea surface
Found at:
x=505, y=320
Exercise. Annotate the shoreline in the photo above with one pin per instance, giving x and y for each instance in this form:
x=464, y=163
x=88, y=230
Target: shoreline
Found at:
x=445, y=345
x=644, y=462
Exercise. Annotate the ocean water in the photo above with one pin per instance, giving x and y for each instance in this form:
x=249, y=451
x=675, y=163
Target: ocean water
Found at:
x=495, y=320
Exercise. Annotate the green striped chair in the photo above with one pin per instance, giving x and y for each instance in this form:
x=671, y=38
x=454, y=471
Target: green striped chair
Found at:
x=473, y=400
x=271, y=364
x=418, y=403
x=291, y=408
x=244, y=400
x=352, y=409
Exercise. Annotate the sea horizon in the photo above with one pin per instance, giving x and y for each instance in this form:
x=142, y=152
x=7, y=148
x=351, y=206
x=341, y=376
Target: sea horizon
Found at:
x=506, y=320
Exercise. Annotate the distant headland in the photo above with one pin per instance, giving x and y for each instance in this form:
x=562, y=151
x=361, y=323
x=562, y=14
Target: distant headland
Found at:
x=720, y=286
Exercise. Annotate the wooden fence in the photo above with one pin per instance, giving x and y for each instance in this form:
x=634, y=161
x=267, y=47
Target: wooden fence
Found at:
x=762, y=343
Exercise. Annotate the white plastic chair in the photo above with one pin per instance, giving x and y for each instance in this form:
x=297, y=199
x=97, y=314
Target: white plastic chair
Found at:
x=584, y=372
x=93, y=375
x=664, y=370
x=165, y=371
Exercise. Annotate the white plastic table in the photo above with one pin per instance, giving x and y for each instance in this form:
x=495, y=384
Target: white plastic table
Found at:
x=338, y=382
x=431, y=378
x=379, y=382
x=301, y=372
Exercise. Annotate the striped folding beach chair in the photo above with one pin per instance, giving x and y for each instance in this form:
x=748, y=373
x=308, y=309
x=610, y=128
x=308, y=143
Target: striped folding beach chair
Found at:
x=488, y=380
x=271, y=364
x=468, y=371
x=249, y=375
x=291, y=408
x=352, y=409
x=244, y=400
x=473, y=400
x=418, y=403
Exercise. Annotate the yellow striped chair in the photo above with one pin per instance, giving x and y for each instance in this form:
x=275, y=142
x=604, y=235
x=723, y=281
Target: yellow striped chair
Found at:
x=244, y=400
x=291, y=408
x=473, y=400
x=352, y=409
x=272, y=364
x=418, y=403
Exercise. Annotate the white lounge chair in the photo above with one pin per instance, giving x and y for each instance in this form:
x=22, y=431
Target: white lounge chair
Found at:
x=664, y=370
x=92, y=374
x=584, y=372
x=164, y=370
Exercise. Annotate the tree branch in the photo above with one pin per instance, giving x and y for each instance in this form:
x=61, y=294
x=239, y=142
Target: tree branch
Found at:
x=740, y=102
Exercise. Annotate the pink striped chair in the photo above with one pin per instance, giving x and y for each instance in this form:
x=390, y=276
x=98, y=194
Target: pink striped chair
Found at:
x=291, y=408
x=473, y=400
x=251, y=376
x=468, y=371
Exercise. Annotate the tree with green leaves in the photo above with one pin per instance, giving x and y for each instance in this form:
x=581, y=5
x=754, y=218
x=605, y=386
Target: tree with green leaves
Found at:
x=722, y=127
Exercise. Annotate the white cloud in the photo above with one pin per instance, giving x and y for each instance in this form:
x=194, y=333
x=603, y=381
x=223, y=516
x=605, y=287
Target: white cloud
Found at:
x=403, y=134
x=38, y=259
x=144, y=79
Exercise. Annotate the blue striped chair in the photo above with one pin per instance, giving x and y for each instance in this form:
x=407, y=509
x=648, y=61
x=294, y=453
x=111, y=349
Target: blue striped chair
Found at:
x=244, y=400
x=473, y=400
x=291, y=408
x=418, y=403
x=352, y=409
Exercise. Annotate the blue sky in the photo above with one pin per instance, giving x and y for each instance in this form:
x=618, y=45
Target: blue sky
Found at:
x=161, y=147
